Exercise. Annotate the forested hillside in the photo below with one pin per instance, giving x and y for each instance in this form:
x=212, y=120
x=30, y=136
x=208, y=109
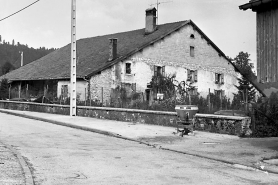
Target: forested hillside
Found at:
x=10, y=55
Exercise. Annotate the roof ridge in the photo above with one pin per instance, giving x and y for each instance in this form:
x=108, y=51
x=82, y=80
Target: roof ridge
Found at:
x=132, y=30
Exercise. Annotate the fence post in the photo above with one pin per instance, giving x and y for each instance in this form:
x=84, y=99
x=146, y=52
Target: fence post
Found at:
x=102, y=95
x=85, y=96
x=209, y=100
x=19, y=90
x=10, y=91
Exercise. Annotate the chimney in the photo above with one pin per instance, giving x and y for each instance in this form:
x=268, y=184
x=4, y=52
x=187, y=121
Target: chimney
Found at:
x=150, y=20
x=112, y=49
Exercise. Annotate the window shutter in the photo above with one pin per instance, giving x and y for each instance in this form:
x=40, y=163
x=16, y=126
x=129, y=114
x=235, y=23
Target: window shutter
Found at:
x=133, y=87
x=222, y=78
x=216, y=78
x=222, y=93
x=188, y=74
x=196, y=76
x=155, y=70
x=163, y=71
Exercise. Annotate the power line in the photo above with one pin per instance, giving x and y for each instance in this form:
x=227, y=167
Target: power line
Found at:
x=20, y=10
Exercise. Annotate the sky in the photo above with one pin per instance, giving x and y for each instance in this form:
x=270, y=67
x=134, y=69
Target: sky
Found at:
x=48, y=22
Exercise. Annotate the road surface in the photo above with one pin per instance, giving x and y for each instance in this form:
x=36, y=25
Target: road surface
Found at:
x=62, y=155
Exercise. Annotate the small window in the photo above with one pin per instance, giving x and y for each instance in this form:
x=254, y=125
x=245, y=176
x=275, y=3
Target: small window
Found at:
x=219, y=78
x=192, y=52
x=192, y=36
x=128, y=68
x=193, y=91
x=192, y=75
x=159, y=71
x=219, y=93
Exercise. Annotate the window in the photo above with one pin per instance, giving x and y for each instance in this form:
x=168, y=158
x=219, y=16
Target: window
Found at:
x=192, y=75
x=193, y=91
x=192, y=36
x=128, y=68
x=219, y=78
x=192, y=52
x=159, y=71
x=219, y=93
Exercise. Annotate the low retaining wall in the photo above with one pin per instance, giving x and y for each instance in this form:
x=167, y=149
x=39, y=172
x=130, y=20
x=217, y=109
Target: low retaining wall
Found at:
x=129, y=115
x=233, y=125
x=206, y=122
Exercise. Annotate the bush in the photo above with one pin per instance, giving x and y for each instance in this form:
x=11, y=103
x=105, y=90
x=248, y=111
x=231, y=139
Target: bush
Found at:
x=4, y=89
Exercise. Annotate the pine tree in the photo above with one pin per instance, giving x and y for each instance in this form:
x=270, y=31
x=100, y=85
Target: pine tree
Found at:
x=245, y=87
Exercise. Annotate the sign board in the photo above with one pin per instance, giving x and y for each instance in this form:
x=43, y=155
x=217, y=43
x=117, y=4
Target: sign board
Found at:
x=160, y=96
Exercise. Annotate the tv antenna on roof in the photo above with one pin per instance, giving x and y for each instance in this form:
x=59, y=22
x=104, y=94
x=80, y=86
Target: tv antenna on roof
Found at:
x=157, y=4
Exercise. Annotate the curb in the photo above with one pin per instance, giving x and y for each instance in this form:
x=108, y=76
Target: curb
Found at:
x=111, y=134
x=26, y=170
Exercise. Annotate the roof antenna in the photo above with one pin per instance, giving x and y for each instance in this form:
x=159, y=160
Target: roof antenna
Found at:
x=158, y=3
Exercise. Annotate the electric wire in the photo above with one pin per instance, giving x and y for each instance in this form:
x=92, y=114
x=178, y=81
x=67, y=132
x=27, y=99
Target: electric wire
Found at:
x=19, y=10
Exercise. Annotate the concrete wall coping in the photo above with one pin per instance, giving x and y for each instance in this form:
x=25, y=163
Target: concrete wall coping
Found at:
x=96, y=108
x=221, y=116
x=128, y=110
x=31, y=103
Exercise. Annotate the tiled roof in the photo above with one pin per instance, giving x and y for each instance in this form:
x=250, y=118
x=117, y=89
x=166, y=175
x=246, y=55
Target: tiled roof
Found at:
x=92, y=54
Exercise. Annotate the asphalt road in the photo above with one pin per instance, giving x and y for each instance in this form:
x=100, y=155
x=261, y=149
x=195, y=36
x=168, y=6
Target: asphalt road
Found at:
x=62, y=155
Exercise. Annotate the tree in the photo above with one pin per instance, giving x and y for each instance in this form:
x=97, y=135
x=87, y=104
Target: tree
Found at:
x=4, y=89
x=245, y=88
x=7, y=67
x=241, y=61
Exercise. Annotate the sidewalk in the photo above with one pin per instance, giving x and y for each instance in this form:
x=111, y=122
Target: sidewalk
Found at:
x=13, y=169
x=247, y=153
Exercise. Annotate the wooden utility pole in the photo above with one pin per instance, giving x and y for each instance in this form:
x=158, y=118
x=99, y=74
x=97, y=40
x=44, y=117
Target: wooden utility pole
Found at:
x=73, y=60
x=158, y=3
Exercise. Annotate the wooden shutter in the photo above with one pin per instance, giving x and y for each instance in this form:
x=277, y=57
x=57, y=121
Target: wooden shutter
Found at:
x=133, y=87
x=216, y=78
x=163, y=71
x=188, y=74
x=222, y=78
x=155, y=70
x=196, y=76
x=223, y=93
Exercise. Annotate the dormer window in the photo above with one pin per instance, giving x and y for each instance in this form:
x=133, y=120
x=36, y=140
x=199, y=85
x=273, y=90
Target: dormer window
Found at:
x=192, y=36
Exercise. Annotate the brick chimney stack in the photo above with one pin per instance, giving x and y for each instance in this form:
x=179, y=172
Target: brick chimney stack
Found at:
x=112, y=49
x=150, y=20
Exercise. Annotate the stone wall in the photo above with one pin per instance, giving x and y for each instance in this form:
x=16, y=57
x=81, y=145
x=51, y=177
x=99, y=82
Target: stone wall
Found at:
x=100, y=86
x=232, y=125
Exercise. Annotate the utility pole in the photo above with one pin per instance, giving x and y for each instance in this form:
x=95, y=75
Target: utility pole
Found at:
x=158, y=3
x=73, y=60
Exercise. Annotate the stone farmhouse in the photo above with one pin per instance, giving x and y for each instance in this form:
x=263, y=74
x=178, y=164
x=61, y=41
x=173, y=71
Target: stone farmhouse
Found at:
x=130, y=60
